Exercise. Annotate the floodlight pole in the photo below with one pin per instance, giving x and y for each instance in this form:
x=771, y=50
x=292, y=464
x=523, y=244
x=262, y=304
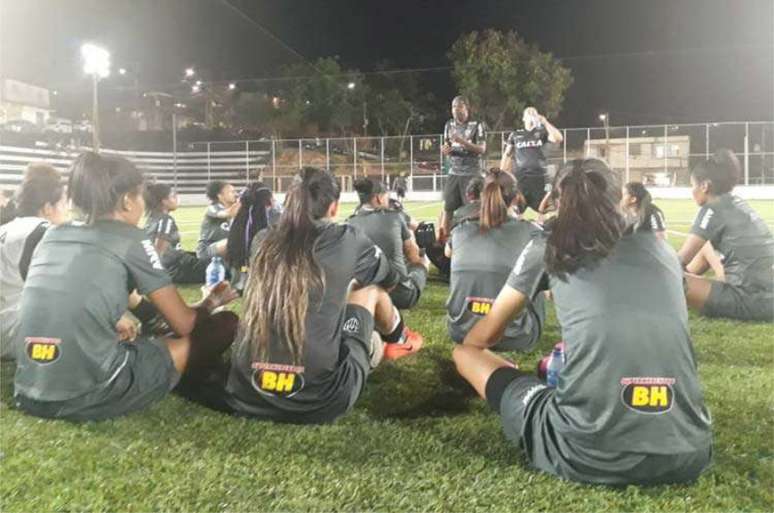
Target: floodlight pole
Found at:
x=95, y=113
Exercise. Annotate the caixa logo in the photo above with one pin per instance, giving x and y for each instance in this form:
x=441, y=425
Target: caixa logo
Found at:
x=42, y=350
x=652, y=395
x=277, y=380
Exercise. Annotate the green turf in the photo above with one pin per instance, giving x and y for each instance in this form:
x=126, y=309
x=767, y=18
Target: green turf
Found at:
x=417, y=440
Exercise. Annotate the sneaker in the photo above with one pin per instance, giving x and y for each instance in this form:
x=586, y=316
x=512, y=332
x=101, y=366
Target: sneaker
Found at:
x=412, y=342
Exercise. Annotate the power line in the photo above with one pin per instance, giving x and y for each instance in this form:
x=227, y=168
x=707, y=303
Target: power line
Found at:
x=266, y=31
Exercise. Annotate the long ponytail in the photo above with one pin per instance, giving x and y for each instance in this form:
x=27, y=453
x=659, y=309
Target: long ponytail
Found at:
x=251, y=219
x=285, y=272
x=588, y=223
x=496, y=197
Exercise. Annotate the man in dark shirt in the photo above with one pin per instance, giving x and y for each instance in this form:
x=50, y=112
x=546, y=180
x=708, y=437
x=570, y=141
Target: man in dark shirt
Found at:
x=525, y=146
x=464, y=142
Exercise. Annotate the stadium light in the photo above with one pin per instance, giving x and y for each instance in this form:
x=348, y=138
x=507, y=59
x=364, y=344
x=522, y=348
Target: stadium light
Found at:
x=122, y=71
x=231, y=86
x=189, y=72
x=198, y=83
x=195, y=88
x=96, y=62
x=351, y=86
x=603, y=117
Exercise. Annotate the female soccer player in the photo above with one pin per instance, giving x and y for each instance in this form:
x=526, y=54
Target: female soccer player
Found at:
x=257, y=212
x=628, y=407
x=485, y=249
x=162, y=229
x=639, y=210
x=42, y=203
x=387, y=229
x=306, y=344
x=217, y=220
x=72, y=365
x=733, y=237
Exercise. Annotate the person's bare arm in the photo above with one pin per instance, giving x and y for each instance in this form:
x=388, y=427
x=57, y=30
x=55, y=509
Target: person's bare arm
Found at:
x=507, y=158
x=180, y=316
x=489, y=330
x=691, y=247
x=554, y=134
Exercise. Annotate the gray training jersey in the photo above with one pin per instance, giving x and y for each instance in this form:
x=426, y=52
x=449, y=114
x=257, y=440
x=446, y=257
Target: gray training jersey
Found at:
x=480, y=266
x=463, y=161
x=630, y=383
x=743, y=240
x=18, y=240
x=388, y=230
x=279, y=389
x=213, y=229
x=76, y=291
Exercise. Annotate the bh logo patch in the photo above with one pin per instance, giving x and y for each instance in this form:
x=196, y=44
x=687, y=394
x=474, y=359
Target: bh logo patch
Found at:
x=648, y=394
x=351, y=325
x=42, y=350
x=479, y=305
x=277, y=380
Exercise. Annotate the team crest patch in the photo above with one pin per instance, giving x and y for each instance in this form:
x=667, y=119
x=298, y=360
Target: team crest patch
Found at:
x=479, y=305
x=648, y=394
x=42, y=350
x=277, y=380
x=351, y=325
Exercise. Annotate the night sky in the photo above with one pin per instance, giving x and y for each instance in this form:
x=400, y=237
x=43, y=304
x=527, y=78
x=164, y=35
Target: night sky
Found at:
x=643, y=61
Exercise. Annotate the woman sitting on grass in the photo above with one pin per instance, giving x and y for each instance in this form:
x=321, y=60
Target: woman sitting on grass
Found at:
x=485, y=248
x=389, y=231
x=162, y=229
x=640, y=212
x=42, y=203
x=217, y=220
x=730, y=238
x=306, y=345
x=73, y=365
x=628, y=407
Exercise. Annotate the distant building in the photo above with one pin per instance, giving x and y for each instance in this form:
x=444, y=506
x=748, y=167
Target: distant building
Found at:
x=652, y=160
x=22, y=101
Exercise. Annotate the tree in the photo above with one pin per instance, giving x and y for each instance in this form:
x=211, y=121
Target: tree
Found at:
x=502, y=74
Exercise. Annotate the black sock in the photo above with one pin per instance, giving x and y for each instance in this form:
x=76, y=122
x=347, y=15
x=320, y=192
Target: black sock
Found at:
x=396, y=334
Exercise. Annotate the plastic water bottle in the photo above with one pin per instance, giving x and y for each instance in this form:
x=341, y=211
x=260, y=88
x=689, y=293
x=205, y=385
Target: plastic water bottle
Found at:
x=216, y=272
x=555, y=367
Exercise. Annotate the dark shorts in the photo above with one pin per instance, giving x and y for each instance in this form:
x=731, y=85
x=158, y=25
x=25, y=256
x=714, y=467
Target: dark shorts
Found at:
x=406, y=294
x=522, y=400
x=734, y=302
x=454, y=192
x=533, y=185
x=185, y=266
x=147, y=375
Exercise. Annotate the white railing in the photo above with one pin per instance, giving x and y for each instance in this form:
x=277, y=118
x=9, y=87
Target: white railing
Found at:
x=659, y=155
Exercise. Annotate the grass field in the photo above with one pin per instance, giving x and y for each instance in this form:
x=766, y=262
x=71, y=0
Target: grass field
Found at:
x=416, y=441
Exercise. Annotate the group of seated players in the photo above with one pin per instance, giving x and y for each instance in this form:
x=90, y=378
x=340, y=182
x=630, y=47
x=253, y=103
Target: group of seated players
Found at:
x=322, y=303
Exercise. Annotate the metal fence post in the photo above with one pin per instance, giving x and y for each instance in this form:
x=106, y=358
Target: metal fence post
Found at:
x=564, y=146
x=247, y=162
x=273, y=166
x=666, y=150
x=411, y=163
x=209, y=164
x=354, y=158
x=626, y=158
x=174, y=149
x=300, y=156
x=706, y=141
x=588, y=142
x=747, y=153
x=382, y=143
x=328, y=153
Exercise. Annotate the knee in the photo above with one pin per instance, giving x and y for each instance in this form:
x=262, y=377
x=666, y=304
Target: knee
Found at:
x=367, y=297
